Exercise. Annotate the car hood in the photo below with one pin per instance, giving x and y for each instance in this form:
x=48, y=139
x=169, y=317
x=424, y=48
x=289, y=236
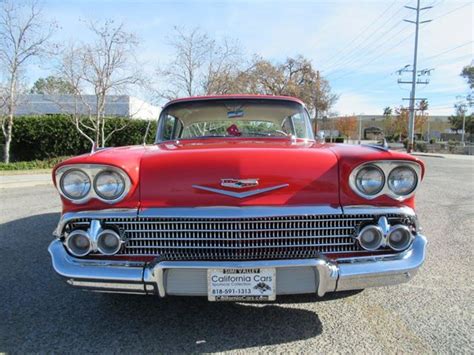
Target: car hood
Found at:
x=190, y=173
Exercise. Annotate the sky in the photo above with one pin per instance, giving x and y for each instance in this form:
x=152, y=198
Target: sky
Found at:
x=357, y=45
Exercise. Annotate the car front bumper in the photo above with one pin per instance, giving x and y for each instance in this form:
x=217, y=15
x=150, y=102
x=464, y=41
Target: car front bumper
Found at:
x=189, y=278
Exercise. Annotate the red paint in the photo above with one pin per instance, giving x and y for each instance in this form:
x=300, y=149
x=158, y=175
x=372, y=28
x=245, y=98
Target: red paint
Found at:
x=170, y=170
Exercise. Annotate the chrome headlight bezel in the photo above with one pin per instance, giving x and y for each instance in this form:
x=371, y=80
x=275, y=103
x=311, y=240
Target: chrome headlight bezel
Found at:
x=376, y=169
x=406, y=168
x=92, y=170
x=67, y=194
x=113, y=173
x=386, y=166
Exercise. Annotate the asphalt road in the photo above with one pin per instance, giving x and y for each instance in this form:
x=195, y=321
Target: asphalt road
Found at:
x=433, y=313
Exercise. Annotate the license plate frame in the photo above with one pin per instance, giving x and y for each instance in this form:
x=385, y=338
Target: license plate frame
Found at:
x=241, y=284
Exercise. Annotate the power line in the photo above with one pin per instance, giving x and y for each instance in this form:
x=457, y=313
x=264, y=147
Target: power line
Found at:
x=373, y=59
x=358, y=36
x=448, y=51
x=450, y=12
x=360, y=39
x=363, y=54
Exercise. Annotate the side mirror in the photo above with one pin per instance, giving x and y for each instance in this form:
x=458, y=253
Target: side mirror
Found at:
x=320, y=137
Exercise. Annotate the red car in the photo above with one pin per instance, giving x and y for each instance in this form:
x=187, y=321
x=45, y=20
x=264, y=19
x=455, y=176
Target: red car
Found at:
x=236, y=200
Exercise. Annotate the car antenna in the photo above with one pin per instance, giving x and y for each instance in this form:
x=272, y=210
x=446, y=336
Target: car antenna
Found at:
x=146, y=132
x=94, y=147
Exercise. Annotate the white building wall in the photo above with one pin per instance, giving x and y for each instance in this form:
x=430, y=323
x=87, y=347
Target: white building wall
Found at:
x=116, y=105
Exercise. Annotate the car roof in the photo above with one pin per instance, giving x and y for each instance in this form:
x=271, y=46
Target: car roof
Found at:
x=234, y=97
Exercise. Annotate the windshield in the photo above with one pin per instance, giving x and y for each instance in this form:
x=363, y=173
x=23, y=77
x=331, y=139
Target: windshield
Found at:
x=234, y=118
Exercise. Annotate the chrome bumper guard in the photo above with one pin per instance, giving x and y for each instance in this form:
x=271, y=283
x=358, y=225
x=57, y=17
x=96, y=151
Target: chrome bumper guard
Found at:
x=188, y=278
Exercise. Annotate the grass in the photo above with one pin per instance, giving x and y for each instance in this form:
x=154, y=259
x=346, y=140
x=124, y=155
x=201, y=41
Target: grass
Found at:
x=33, y=165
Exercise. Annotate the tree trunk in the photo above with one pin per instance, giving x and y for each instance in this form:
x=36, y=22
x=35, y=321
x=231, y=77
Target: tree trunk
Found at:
x=11, y=111
x=8, y=140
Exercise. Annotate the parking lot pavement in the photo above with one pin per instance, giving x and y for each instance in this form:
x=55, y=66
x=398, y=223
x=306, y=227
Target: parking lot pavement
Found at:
x=432, y=313
x=15, y=181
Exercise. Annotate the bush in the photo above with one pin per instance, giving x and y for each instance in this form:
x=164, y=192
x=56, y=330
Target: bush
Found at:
x=421, y=147
x=46, y=137
x=33, y=164
x=334, y=139
x=432, y=141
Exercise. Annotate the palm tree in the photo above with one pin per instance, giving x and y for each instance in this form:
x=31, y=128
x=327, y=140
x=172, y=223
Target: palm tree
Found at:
x=387, y=112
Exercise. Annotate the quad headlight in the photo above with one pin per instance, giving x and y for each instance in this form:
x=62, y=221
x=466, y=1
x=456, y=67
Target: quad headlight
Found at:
x=394, y=178
x=75, y=184
x=370, y=180
x=79, y=183
x=402, y=180
x=109, y=184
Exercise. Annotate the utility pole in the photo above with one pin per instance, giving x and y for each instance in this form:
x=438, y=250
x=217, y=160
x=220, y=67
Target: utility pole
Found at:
x=411, y=125
x=316, y=101
x=360, y=129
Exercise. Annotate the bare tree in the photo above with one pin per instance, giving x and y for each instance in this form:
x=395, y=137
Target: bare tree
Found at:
x=104, y=67
x=201, y=65
x=23, y=37
x=293, y=77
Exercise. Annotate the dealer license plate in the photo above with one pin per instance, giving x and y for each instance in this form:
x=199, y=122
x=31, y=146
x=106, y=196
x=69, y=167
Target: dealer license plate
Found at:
x=253, y=284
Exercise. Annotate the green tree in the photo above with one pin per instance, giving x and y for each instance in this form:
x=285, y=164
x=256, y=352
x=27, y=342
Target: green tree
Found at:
x=52, y=85
x=387, y=112
x=422, y=106
x=456, y=120
x=468, y=74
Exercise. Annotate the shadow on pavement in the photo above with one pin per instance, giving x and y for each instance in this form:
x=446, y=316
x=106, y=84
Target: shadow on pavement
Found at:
x=42, y=313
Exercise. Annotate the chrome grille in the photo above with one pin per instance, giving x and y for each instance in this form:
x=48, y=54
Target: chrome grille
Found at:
x=240, y=238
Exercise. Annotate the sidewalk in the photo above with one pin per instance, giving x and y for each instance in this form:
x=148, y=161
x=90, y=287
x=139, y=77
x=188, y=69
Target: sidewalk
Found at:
x=25, y=180
x=445, y=156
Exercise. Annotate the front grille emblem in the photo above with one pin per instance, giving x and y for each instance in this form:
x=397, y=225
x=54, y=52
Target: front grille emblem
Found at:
x=239, y=183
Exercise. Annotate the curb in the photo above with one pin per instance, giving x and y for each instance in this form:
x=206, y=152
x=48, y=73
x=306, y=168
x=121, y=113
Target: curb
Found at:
x=428, y=155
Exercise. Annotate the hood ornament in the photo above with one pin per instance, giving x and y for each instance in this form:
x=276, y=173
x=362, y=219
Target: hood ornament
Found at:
x=239, y=184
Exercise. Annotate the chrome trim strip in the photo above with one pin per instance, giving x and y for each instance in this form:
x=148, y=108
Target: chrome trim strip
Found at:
x=375, y=210
x=240, y=194
x=238, y=212
x=386, y=166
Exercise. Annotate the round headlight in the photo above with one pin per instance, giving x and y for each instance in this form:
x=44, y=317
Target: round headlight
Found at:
x=399, y=237
x=109, y=242
x=78, y=243
x=370, y=237
x=109, y=185
x=402, y=180
x=370, y=180
x=75, y=184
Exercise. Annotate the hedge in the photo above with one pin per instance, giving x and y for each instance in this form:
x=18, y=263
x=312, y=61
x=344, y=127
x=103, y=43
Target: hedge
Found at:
x=334, y=139
x=47, y=137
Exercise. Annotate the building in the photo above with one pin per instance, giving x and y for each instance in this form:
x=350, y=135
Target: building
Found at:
x=375, y=126
x=115, y=105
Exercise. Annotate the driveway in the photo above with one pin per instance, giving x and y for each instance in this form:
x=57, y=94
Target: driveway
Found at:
x=432, y=313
